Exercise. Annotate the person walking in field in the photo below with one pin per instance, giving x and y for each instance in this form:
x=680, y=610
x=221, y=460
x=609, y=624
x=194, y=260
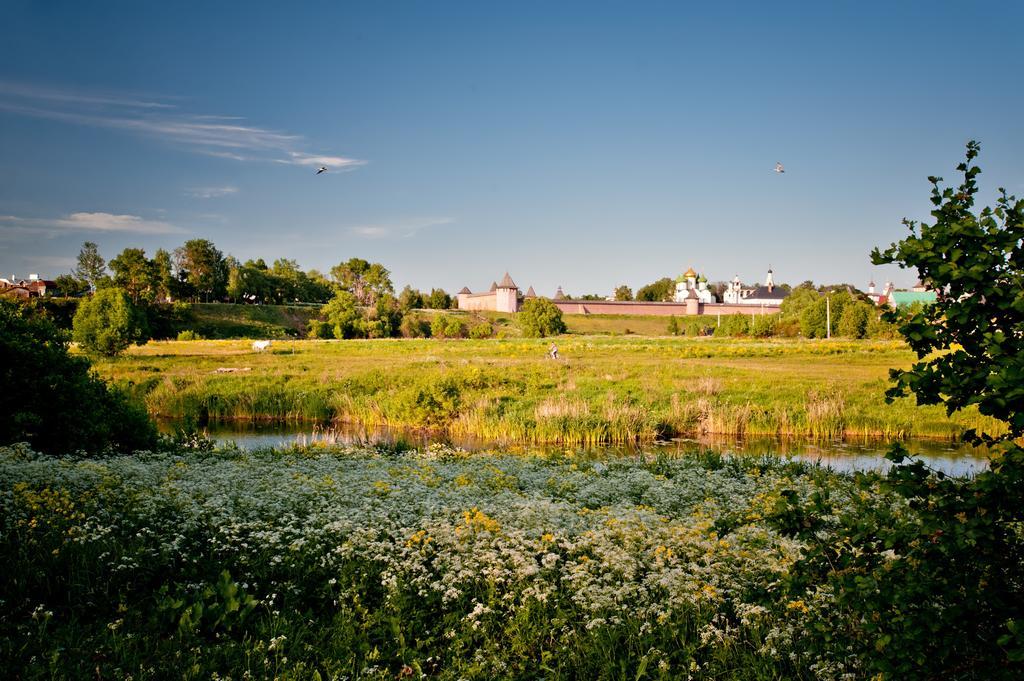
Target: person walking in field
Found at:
x=553, y=351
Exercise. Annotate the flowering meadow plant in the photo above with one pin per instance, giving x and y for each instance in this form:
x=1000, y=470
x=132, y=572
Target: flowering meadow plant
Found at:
x=356, y=563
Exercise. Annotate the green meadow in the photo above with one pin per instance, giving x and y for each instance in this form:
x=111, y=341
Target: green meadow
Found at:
x=601, y=390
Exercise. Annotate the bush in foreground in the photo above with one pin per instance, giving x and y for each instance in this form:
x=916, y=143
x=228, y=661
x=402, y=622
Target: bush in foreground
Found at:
x=933, y=586
x=52, y=400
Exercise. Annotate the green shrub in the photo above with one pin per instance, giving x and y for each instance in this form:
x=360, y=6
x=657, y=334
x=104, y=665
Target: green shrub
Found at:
x=447, y=326
x=733, y=325
x=854, y=322
x=673, y=326
x=189, y=335
x=53, y=400
x=107, y=323
x=930, y=584
x=318, y=328
x=763, y=326
x=698, y=326
x=481, y=330
x=539, y=318
x=414, y=326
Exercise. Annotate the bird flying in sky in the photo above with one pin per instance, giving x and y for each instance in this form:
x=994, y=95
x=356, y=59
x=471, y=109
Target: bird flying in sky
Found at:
x=323, y=169
x=779, y=168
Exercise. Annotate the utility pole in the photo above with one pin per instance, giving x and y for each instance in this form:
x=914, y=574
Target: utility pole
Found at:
x=828, y=315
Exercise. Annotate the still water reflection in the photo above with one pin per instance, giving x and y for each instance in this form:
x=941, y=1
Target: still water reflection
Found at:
x=951, y=458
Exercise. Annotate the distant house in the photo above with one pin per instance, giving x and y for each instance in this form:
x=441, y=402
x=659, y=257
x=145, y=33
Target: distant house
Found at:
x=769, y=294
x=15, y=291
x=903, y=298
x=880, y=298
x=34, y=287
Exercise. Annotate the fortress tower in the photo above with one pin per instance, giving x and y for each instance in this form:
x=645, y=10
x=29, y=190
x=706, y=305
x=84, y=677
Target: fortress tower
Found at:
x=506, y=295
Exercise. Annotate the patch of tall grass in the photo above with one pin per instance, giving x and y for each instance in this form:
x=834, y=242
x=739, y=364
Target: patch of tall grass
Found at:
x=604, y=391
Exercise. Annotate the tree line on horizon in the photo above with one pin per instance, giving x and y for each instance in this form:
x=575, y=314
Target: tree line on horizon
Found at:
x=198, y=271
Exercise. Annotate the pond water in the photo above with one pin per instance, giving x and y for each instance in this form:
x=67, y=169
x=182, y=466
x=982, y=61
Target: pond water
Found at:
x=841, y=455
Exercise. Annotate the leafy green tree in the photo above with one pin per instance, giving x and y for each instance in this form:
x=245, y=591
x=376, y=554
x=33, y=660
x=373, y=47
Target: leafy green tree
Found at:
x=439, y=299
x=107, y=323
x=855, y=319
x=163, y=272
x=52, y=400
x=623, y=293
x=932, y=585
x=71, y=286
x=660, y=291
x=801, y=298
x=539, y=317
x=136, y=275
x=366, y=281
x=388, y=313
x=343, y=314
x=203, y=268
x=827, y=308
x=316, y=288
x=410, y=299
x=92, y=268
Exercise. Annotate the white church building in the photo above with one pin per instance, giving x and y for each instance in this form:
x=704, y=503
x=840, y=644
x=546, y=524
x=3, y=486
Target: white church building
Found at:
x=698, y=284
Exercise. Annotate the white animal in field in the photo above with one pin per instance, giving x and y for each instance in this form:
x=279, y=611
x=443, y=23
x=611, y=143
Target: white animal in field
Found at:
x=260, y=346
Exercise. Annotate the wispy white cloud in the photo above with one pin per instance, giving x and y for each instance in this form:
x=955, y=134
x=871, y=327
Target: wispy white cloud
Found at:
x=210, y=192
x=220, y=136
x=399, y=230
x=371, y=232
x=27, y=91
x=332, y=162
x=109, y=222
x=89, y=222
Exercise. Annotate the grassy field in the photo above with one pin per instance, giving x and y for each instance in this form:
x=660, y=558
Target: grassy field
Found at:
x=576, y=324
x=603, y=389
x=226, y=321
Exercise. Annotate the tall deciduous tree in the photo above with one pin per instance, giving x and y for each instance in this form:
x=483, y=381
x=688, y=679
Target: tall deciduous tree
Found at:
x=365, y=280
x=659, y=291
x=163, y=271
x=439, y=299
x=343, y=314
x=623, y=293
x=135, y=274
x=92, y=268
x=107, y=323
x=203, y=268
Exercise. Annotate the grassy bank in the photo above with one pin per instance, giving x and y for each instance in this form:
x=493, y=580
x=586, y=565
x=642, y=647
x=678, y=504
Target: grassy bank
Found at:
x=225, y=320
x=603, y=390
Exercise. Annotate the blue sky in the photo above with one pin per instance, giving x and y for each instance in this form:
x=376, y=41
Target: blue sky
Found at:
x=576, y=144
